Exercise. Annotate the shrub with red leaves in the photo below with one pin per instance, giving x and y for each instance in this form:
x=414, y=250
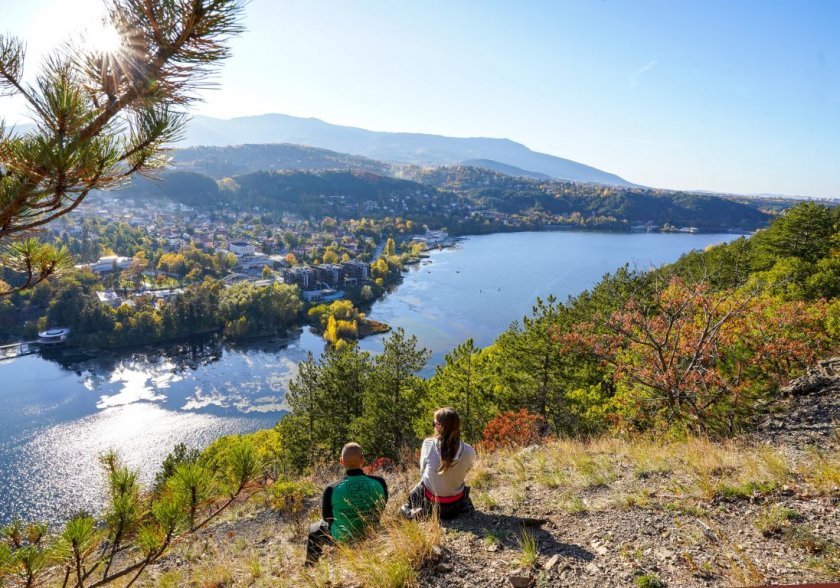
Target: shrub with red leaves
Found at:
x=511, y=429
x=380, y=464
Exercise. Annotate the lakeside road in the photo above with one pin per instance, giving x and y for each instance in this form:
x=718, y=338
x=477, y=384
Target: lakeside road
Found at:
x=59, y=415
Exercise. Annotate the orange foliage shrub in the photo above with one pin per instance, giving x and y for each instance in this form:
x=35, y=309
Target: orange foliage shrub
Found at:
x=380, y=464
x=511, y=429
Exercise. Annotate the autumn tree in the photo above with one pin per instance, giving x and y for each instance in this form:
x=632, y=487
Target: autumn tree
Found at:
x=689, y=358
x=390, y=247
x=100, y=116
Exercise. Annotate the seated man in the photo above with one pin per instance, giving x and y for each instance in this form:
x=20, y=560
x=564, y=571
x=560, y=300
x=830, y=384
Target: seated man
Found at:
x=348, y=506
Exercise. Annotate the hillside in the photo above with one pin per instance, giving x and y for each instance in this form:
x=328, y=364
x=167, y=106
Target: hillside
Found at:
x=414, y=148
x=502, y=168
x=350, y=194
x=648, y=431
x=227, y=161
x=609, y=512
x=446, y=196
x=500, y=190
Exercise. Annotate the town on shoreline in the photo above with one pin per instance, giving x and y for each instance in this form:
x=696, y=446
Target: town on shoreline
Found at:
x=245, y=272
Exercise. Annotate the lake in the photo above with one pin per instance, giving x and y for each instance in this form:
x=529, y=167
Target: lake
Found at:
x=60, y=413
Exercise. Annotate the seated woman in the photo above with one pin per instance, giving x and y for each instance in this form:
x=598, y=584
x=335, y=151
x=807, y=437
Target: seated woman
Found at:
x=444, y=462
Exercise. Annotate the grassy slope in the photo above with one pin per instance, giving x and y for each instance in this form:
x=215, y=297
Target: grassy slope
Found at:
x=616, y=512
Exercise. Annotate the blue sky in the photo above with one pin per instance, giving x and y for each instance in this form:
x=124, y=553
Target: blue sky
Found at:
x=729, y=96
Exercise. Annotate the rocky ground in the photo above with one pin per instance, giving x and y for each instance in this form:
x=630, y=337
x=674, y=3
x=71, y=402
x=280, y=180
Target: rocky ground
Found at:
x=808, y=411
x=610, y=512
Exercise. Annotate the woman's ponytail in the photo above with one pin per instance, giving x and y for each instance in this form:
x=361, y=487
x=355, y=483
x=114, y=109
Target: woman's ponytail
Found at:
x=449, y=436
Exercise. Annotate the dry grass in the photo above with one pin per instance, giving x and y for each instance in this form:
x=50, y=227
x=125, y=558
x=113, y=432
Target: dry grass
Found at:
x=687, y=479
x=480, y=477
x=572, y=504
x=529, y=549
x=822, y=470
x=696, y=469
x=776, y=519
x=392, y=557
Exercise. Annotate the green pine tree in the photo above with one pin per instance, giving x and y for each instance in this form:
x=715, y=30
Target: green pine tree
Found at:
x=393, y=397
x=460, y=383
x=100, y=116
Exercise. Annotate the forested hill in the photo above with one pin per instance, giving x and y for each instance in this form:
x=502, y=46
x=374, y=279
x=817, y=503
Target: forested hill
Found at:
x=345, y=194
x=228, y=161
x=504, y=168
x=463, y=199
x=634, y=205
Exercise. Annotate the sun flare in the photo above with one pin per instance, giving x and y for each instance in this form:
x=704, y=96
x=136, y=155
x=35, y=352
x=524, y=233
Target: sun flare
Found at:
x=104, y=38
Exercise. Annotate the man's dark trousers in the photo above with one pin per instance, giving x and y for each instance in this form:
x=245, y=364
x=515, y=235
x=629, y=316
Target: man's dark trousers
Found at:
x=319, y=535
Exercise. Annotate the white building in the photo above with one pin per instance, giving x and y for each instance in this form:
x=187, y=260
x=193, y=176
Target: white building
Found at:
x=107, y=264
x=255, y=261
x=110, y=298
x=241, y=248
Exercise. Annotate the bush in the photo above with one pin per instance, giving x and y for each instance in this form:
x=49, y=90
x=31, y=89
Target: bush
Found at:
x=289, y=496
x=380, y=464
x=649, y=580
x=179, y=455
x=511, y=429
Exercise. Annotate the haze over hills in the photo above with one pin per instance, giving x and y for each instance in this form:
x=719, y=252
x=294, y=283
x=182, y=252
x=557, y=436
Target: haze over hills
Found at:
x=234, y=160
x=413, y=148
x=502, y=168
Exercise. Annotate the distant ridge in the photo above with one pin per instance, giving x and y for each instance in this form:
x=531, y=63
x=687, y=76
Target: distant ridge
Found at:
x=503, y=168
x=413, y=148
x=234, y=160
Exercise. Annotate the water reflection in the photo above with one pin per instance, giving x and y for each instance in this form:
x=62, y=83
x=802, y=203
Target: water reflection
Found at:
x=57, y=472
x=63, y=411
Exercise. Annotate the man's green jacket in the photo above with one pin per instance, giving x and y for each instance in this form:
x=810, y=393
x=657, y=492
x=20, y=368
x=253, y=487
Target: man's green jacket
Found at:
x=355, y=501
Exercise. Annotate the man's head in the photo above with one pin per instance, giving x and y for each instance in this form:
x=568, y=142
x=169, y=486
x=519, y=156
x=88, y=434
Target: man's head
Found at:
x=351, y=456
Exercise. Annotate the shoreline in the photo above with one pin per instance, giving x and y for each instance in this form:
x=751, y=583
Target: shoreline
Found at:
x=452, y=242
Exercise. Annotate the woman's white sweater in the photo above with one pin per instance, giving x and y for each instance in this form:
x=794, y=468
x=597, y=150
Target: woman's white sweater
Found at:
x=450, y=482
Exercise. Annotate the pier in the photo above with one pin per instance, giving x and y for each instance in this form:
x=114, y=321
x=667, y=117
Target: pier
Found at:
x=17, y=349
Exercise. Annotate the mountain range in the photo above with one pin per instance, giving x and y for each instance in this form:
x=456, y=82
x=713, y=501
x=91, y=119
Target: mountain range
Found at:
x=501, y=155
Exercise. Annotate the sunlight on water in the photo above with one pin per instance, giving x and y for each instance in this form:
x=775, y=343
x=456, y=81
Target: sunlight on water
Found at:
x=135, y=385
x=65, y=457
x=60, y=415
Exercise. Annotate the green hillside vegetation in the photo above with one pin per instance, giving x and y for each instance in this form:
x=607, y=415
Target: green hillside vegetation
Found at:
x=697, y=347
x=504, y=168
x=575, y=202
x=339, y=194
x=454, y=197
x=221, y=162
x=640, y=391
